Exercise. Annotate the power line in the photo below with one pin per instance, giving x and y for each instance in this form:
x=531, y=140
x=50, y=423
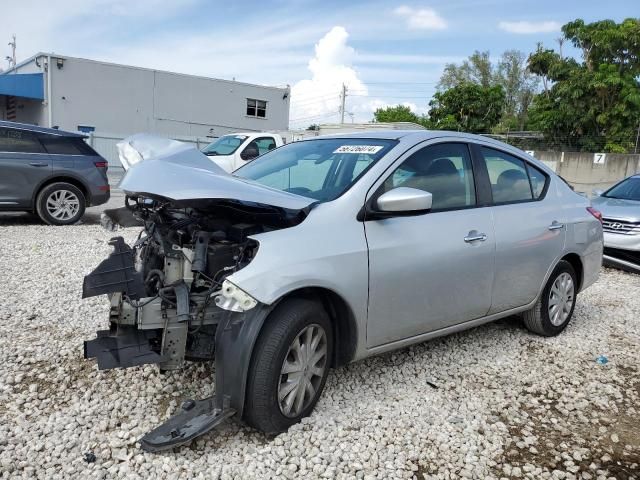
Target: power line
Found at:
x=315, y=102
x=401, y=83
x=311, y=117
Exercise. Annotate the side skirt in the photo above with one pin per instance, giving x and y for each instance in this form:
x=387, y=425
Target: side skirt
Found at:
x=447, y=330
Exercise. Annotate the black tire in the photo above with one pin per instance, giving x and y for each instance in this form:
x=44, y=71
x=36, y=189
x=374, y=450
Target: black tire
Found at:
x=285, y=323
x=538, y=319
x=47, y=216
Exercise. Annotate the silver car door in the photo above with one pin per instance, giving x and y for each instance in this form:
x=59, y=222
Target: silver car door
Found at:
x=529, y=227
x=432, y=270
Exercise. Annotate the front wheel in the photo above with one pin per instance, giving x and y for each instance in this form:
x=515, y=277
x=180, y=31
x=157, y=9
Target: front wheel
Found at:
x=554, y=309
x=289, y=366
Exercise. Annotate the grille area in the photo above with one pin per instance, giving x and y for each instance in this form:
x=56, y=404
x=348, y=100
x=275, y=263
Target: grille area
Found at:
x=620, y=226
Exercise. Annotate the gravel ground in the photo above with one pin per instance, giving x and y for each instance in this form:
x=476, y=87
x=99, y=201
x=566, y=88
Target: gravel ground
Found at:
x=493, y=402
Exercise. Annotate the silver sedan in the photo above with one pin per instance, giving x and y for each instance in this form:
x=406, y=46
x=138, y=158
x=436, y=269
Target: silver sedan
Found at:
x=330, y=250
x=620, y=207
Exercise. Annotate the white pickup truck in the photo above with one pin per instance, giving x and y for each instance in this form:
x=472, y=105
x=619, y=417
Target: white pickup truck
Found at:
x=232, y=151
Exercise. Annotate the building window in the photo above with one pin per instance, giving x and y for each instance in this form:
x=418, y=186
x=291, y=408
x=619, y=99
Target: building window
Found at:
x=256, y=108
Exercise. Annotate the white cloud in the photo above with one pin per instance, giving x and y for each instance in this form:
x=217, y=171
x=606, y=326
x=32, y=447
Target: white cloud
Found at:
x=421, y=18
x=317, y=100
x=527, y=27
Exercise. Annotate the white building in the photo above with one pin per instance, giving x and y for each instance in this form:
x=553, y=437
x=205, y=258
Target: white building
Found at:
x=71, y=93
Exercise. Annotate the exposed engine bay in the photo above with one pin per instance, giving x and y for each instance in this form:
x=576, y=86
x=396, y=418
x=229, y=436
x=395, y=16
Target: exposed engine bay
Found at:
x=166, y=304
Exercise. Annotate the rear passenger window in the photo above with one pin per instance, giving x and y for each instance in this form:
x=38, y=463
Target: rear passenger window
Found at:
x=443, y=170
x=265, y=144
x=19, y=141
x=538, y=181
x=61, y=145
x=508, y=176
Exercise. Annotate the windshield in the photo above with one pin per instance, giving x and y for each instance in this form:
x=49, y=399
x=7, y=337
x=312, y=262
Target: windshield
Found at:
x=628, y=189
x=321, y=169
x=224, y=145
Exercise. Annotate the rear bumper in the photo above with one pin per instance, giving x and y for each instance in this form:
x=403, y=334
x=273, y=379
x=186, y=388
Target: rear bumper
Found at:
x=99, y=195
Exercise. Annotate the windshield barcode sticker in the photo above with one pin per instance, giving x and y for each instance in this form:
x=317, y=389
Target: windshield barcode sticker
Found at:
x=358, y=149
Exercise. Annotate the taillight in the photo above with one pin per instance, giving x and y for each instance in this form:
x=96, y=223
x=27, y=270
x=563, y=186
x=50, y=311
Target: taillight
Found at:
x=595, y=213
x=101, y=164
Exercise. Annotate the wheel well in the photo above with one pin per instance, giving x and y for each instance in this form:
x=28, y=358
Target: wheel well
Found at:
x=345, y=331
x=576, y=263
x=73, y=181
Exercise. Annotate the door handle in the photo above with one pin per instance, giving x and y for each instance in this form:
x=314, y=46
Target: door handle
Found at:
x=556, y=225
x=474, y=236
x=39, y=164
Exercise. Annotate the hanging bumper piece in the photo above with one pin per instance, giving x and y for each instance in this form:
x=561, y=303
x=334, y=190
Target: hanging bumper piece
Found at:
x=195, y=418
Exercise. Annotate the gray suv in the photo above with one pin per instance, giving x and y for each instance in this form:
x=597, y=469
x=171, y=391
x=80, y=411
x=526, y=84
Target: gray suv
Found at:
x=50, y=172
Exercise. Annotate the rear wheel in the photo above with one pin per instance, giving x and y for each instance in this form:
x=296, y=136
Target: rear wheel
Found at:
x=60, y=204
x=289, y=366
x=554, y=309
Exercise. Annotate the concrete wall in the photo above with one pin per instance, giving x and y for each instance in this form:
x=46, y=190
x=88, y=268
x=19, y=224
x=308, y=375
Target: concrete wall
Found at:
x=123, y=100
x=584, y=174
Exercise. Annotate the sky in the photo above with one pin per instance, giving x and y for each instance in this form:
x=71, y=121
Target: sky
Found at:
x=385, y=52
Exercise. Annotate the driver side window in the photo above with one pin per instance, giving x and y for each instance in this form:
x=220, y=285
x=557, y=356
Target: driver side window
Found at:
x=444, y=170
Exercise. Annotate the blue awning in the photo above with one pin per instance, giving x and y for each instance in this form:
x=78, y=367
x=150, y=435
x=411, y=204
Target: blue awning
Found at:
x=25, y=85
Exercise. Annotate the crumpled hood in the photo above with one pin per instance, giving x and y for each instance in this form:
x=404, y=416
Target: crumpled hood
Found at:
x=618, y=208
x=179, y=171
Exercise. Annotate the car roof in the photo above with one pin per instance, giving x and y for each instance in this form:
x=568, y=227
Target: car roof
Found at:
x=416, y=135
x=35, y=128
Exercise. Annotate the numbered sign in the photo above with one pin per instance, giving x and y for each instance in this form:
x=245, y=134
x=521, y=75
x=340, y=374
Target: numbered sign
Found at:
x=599, y=158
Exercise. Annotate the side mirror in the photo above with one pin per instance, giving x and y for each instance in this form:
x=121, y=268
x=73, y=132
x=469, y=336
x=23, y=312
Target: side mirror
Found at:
x=249, y=153
x=404, y=200
x=597, y=193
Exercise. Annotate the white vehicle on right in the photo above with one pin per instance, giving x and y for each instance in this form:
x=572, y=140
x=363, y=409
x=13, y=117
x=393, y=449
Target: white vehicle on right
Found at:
x=620, y=208
x=232, y=151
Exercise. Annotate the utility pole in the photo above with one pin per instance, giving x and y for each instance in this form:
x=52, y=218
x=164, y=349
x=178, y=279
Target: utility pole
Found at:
x=13, y=50
x=343, y=96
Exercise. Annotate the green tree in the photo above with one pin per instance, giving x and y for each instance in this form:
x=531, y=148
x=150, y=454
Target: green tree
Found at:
x=467, y=107
x=591, y=105
x=399, y=113
x=477, y=69
x=510, y=73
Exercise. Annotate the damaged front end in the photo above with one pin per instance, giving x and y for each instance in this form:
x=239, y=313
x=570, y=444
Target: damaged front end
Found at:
x=168, y=292
x=170, y=298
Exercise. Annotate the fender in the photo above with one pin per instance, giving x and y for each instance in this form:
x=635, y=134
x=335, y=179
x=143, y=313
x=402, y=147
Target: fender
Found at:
x=236, y=336
x=61, y=176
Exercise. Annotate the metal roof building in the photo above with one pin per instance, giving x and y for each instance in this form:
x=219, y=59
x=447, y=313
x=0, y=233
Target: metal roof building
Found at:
x=72, y=93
